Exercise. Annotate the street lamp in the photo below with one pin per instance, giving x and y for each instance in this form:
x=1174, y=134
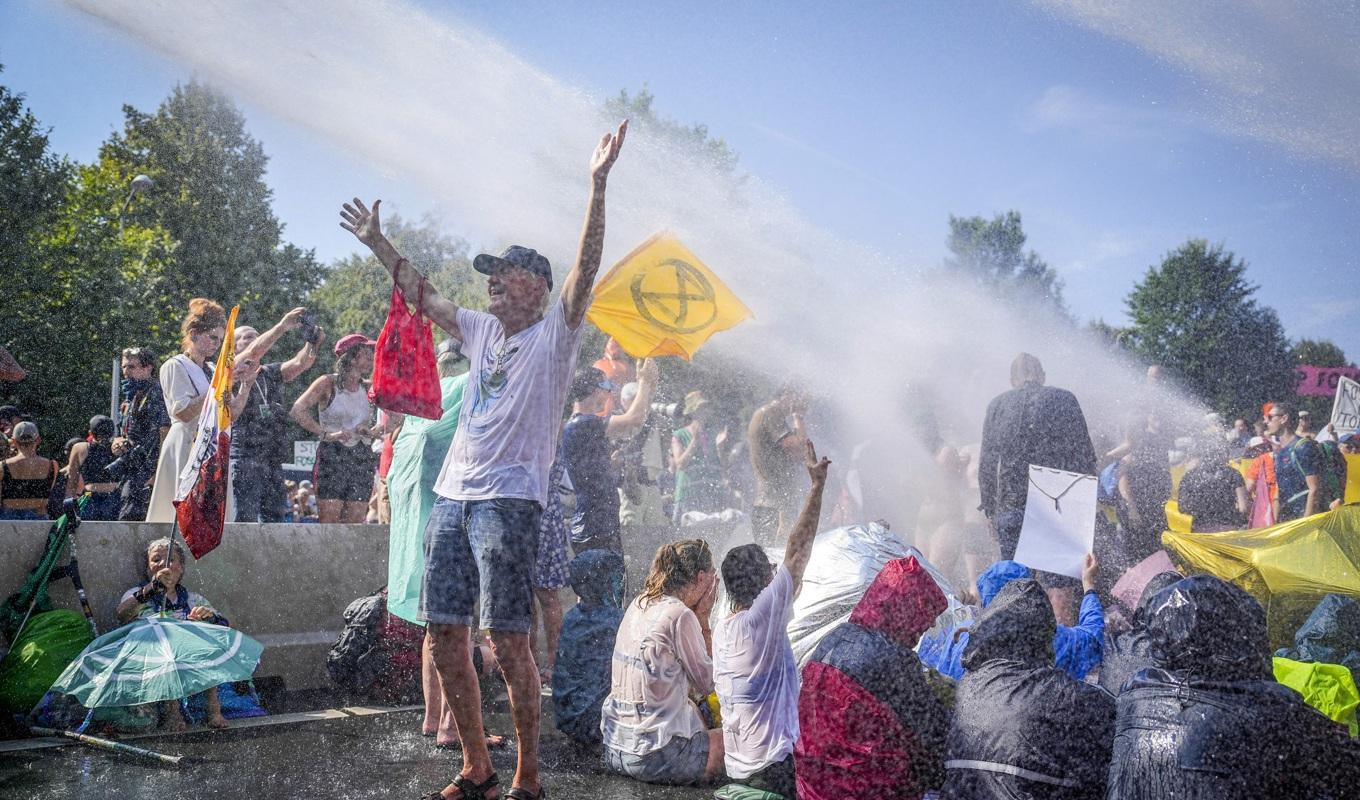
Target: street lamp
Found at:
x=140, y=185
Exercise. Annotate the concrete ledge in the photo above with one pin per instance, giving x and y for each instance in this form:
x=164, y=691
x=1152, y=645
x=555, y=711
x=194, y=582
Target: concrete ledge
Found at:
x=285, y=585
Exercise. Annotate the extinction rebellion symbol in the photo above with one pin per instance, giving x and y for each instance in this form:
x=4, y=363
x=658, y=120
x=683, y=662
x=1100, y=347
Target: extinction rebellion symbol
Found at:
x=675, y=297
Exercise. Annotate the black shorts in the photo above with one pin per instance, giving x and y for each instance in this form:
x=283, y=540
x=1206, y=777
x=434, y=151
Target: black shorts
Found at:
x=344, y=473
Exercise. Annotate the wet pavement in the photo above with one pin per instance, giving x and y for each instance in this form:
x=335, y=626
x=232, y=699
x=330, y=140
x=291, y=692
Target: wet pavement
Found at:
x=354, y=757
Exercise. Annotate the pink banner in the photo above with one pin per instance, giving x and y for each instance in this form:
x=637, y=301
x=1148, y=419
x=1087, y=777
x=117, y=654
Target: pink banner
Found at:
x=1321, y=381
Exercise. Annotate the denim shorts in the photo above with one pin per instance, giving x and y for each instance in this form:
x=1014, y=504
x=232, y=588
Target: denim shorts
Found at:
x=680, y=762
x=480, y=549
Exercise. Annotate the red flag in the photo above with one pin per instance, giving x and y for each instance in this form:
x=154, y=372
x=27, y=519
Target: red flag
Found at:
x=201, y=498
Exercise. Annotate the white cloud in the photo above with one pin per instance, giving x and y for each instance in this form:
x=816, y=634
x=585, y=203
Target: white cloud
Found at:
x=1283, y=73
x=1066, y=108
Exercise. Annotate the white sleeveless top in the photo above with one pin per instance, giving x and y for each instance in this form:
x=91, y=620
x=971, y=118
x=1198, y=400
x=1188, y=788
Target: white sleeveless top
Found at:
x=347, y=411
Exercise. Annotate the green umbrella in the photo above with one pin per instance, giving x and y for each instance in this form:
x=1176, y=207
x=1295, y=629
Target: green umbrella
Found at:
x=158, y=658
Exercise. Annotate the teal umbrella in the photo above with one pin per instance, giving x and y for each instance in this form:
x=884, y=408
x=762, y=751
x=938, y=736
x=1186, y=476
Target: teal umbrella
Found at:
x=158, y=658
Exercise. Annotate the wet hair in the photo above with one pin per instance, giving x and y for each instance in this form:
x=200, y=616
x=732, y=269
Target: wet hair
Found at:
x=345, y=360
x=205, y=316
x=1286, y=409
x=675, y=566
x=161, y=544
x=746, y=572
x=144, y=356
x=1026, y=369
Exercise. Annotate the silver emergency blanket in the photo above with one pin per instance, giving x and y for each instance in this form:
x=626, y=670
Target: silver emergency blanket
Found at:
x=844, y=562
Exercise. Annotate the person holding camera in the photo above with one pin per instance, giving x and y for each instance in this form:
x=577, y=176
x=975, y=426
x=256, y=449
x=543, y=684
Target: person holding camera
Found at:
x=143, y=424
x=259, y=417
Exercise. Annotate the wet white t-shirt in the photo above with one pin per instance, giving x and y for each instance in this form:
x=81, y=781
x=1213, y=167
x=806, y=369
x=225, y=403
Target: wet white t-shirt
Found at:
x=757, y=680
x=512, y=408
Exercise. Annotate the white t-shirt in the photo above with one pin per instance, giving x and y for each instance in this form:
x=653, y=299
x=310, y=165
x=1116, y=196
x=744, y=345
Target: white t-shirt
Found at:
x=660, y=661
x=757, y=680
x=512, y=408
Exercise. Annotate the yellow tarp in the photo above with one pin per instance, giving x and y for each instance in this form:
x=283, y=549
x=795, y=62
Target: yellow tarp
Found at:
x=661, y=300
x=1287, y=567
x=1353, y=477
x=1330, y=688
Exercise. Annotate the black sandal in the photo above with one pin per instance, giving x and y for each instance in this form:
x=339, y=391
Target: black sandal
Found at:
x=520, y=793
x=467, y=790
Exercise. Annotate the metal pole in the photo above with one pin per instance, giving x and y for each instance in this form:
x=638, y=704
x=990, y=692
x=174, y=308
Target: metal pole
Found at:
x=114, y=385
x=110, y=746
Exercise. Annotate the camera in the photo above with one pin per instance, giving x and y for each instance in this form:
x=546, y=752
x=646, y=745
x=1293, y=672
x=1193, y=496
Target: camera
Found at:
x=672, y=410
x=310, y=333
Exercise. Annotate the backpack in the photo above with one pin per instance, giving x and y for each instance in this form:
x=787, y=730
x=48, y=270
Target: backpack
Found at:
x=356, y=661
x=1332, y=470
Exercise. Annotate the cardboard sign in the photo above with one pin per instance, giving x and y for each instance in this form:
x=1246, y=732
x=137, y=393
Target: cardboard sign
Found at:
x=1346, y=407
x=1060, y=521
x=1322, y=381
x=304, y=454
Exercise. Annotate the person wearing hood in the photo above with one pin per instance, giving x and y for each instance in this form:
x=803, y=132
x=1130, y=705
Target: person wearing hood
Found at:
x=1077, y=649
x=870, y=724
x=1209, y=719
x=580, y=678
x=1023, y=728
x=1128, y=652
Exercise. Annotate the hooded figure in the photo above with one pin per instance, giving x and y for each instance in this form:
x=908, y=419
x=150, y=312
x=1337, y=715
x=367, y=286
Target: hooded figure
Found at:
x=870, y=725
x=1022, y=728
x=1331, y=634
x=580, y=678
x=1209, y=720
x=1131, y=651
x=1076, y=650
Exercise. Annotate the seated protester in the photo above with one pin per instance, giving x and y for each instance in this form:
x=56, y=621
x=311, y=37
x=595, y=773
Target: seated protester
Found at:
x=164, y=594
x=580, y=677
x=1023, y=728
x=1209, y=720
x=753, y=666
x=871, y=726
x=1078, y=649
x=1128, y=652
x=652, y=728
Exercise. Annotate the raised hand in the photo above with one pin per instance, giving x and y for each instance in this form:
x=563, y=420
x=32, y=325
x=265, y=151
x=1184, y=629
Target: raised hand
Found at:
x=605, y=154
x=648, y=371
x=363, y=223
x=816, y=467
x=293, y=319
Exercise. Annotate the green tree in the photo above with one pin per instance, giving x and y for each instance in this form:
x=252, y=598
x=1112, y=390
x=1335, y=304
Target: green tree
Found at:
x=992, y=252
x=211, y=196
x=357, y=290
x=691, y=141
x=1196, y=315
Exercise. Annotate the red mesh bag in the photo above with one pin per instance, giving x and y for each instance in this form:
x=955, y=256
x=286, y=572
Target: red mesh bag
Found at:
x=405, y=378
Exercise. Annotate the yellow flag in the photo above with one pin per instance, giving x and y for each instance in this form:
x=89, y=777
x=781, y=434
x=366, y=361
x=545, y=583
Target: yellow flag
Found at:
x=661, y=300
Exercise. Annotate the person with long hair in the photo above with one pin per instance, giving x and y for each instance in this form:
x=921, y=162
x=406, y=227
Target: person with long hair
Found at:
x=344, y=423
x=662, y=670
x=185, y=381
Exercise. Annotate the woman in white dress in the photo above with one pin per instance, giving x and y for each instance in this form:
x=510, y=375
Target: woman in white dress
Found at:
x=185, y=380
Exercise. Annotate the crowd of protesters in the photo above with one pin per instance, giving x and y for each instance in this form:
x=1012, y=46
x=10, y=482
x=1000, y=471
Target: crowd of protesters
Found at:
x=540, y=475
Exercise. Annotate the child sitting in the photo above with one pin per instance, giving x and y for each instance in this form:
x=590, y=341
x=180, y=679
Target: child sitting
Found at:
x=163, y=594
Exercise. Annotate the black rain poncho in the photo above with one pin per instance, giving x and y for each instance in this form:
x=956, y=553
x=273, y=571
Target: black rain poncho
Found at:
x=1131, y=651
x=1209, y=722
x=1022, y=728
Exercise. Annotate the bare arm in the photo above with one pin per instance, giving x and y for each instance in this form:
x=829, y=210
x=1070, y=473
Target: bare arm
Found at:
x=75, y=482
x=190, y=412
x=304, y=359
x=246, y=373
x=265, y=341
x=579, y=282
x=628, y=423
x=805, y=529
x=366, y=226
x=1310, y=508
x=302, y=411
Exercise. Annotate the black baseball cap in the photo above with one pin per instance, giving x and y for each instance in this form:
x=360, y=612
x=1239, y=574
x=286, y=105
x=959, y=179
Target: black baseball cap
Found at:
x=588, y=381
x=101, y=425
x=9, y=412
x=515, y=256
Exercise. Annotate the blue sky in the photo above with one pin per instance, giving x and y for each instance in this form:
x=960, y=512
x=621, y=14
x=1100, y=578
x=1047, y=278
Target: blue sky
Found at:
x=1117, y=130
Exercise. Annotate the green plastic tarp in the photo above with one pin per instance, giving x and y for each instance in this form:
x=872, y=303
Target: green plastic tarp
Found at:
x=49, y=642
x=1330, y=688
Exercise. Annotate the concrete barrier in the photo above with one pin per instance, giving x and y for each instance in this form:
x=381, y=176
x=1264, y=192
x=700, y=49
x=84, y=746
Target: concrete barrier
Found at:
x=285, y=585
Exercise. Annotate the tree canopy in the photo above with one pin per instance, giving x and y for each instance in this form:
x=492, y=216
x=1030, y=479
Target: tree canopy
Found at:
x=1196, y=315
x=992, y=252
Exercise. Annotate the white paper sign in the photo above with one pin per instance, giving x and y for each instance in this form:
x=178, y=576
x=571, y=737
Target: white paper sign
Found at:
x=304, y=454
x=1346, y=407
x=1060, y=521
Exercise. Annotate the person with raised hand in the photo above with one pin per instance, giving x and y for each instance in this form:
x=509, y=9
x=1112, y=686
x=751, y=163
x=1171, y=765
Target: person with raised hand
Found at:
x=483, y=530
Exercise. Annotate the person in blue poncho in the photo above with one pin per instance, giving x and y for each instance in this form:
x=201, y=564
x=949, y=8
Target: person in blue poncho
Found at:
x=1078, y=649
x=581, y=674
